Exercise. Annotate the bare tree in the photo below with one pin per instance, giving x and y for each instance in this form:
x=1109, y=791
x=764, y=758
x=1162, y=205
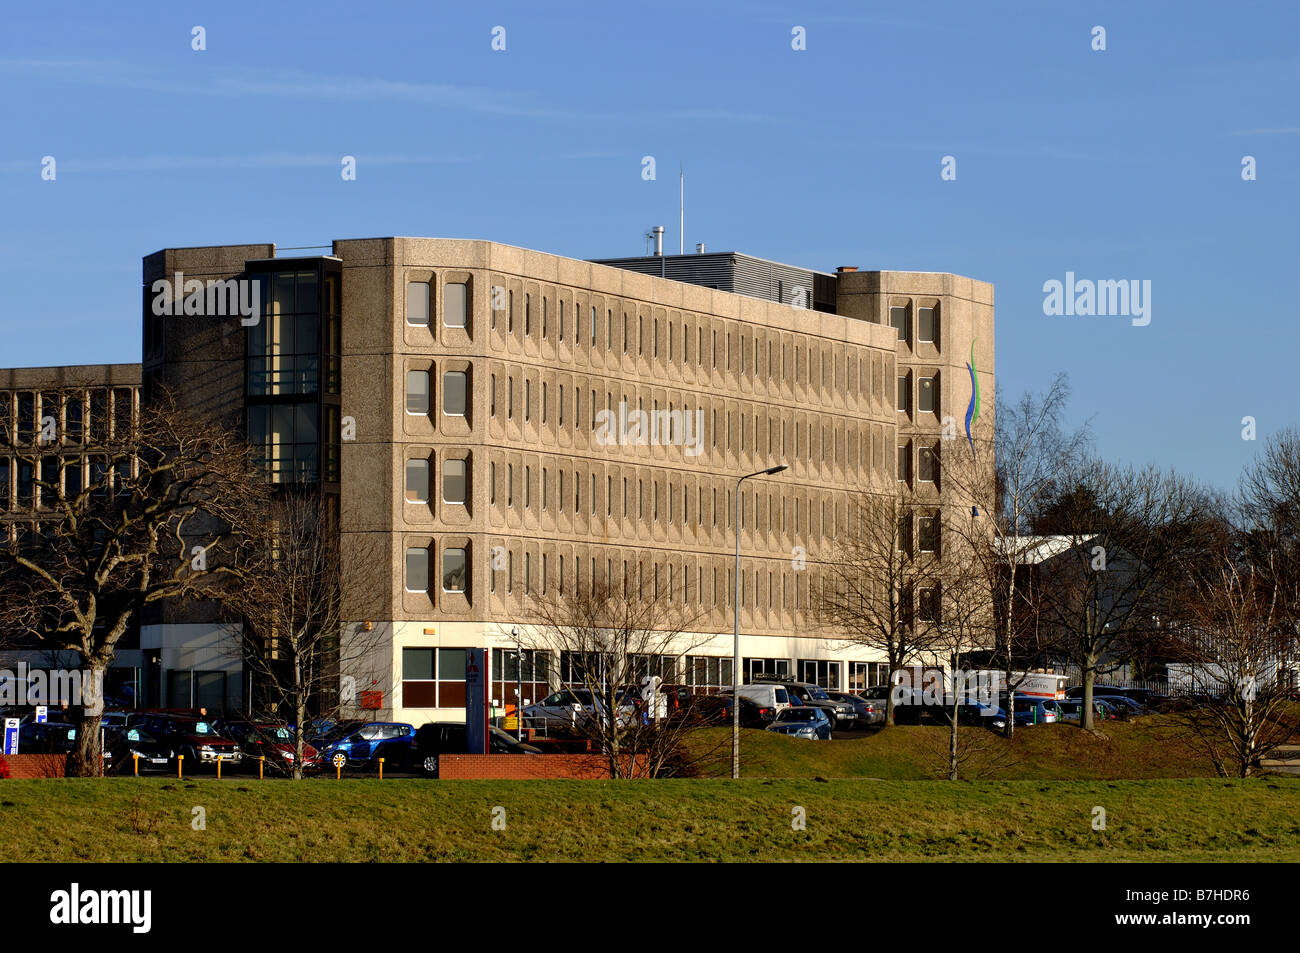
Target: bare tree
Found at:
x=611, y=638
x=963, y=620
x=161, y=516
x=1124, y=537
x=879, y=568
x=1006, y=481
x=289, y=596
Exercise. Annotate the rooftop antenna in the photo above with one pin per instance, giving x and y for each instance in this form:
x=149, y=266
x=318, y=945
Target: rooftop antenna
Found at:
x=681, y=247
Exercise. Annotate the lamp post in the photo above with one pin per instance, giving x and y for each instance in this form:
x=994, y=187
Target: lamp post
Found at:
x=519, y=684
x=735, y=660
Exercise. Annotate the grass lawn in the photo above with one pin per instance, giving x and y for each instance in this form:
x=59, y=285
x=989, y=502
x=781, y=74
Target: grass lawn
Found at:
x=131, y=819
x=1157, y=746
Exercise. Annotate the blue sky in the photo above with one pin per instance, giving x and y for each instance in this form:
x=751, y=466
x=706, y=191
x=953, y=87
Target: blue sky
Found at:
x=1122, y=164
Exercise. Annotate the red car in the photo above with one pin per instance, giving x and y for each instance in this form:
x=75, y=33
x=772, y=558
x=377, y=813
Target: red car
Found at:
x=195, y=738
x=272, y=741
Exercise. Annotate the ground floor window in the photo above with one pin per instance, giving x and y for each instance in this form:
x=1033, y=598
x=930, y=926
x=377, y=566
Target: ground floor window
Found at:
x=433, y=678
x=820, y=672
x=755, y=667
x=507, y=672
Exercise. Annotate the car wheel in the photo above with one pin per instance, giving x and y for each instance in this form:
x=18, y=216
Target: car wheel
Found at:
x=339, y=760
x=429, y=765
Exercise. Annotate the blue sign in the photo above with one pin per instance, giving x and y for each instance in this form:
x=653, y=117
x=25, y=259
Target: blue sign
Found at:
x=477, y=682
x=42, y=714
x=11, y=736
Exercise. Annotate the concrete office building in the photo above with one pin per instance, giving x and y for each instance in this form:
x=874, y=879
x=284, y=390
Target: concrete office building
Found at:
x=454, y=397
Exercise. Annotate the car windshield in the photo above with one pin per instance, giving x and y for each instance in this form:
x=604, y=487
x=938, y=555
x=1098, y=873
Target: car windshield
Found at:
x=280, y=734
x=203, y=728
x=799, y=714
x=819, y=694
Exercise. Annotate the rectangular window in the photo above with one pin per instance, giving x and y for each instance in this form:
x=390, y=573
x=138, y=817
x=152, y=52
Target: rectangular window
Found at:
x=454, y=570
x=417, y=392
x=925, y=402
x=904, y=462
x=904, y=395
x=417, y=303
x=904, y=541
x=455, y=398
x=453, y=481
x=901, y=321
x=417, y=569
x=925, y=465
x=417, y=481
x=927, y=325
x=455, y=305
x=928, y=534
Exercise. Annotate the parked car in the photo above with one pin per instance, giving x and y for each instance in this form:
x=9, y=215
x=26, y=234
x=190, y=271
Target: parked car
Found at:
x=805, y=721
x=866, y=712
x=193, y=738
x=438, y=738
x=766, y=695
x=134, y=748
x=1127, y=707
x=717, y=710
x=840, y=714
x=114, y=719
x=53, y=737
x=1035, y=711
x=391, y=740
x=566, y=708
x=272, y=741
x=1071, y=710
x=1143, y=696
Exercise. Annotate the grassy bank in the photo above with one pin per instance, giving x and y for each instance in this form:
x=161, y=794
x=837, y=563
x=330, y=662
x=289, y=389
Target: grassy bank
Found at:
x=369, y=820
x=1158, y=746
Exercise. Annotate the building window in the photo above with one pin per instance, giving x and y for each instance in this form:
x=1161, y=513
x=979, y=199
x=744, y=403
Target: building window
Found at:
x=904, y=395
x=417, y=303
x=927, y=324
x=904, y=462
x=417, y=569
x=454, y=394
x=772, y=667
x=455, y=305
x=453, y=481
x=417, y=481
x=433, y=678
x=927, y=604
x=925, y=465
x=928, y=534
x=900, y=319
x=820, y=672
x=904, y=540
x=287, y=438
x=454, y=570
x=925, y=401
x=417, y=392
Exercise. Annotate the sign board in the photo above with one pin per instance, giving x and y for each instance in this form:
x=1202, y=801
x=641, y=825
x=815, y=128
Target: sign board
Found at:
x=42, y=714
x=11, y=736
x=478, y=679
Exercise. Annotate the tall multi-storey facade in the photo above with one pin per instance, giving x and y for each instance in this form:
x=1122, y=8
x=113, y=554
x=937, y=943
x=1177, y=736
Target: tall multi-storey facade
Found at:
x=473, y=408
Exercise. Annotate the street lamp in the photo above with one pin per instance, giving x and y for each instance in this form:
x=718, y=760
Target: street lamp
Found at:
x=519, y=684
x=735, y=660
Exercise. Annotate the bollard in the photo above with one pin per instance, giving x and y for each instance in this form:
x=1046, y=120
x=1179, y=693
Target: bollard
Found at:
x=381, y=769
x=218, y=769
x=261, y=766
x=180, y=763
x=338, y=769
x=136, y=759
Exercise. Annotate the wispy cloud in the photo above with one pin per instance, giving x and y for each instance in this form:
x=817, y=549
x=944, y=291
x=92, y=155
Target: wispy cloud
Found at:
x=1279, y=131
x=276, y=160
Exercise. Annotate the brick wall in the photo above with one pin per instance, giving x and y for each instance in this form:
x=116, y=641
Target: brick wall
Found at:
x=36, y=765
x=514, y=766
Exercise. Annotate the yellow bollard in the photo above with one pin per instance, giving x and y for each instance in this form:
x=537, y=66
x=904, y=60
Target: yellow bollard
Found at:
x=136, y=759
x=261, y=766
x=381, y=769
x=180, y=763
x=218, y=769
x=338, y=769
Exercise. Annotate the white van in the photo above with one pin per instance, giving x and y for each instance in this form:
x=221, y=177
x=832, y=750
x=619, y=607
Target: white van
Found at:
x=766, y=696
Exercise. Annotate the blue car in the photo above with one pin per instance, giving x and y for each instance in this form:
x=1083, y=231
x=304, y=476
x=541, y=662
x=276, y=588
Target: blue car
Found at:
x=802, y=722
x=391, y=740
